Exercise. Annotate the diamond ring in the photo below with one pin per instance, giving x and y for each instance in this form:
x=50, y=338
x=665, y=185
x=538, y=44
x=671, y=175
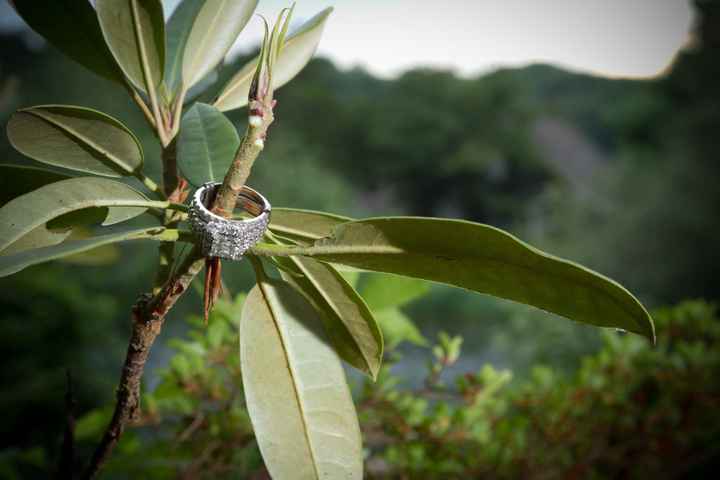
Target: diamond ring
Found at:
x=224, y=238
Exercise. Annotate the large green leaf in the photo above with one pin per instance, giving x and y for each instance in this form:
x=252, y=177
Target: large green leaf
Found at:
x=483, y=259
x=207, y=144
x=10, y=264
x=296, y=53
x=72, y=27
x=27, y=212
x=200, y=33
x=295, y=388
x=304, y=224
x=76, y=138
x=347, y=319
x=135, y=32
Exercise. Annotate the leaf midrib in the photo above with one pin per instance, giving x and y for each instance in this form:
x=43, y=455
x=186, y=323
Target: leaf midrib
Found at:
x=89, y=142
x=293, y=376
x=329, y=250
x=144, y=62
x=201, y=45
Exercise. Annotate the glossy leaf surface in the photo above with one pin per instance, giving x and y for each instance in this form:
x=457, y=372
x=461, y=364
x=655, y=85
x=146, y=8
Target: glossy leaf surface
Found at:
x=207, y=144
x=72, y=27
x=486, y=260
x=299, y=402
x=27, y=212
x=76, y=138
x=348, y=321
x=135, y=32
x=296, y=53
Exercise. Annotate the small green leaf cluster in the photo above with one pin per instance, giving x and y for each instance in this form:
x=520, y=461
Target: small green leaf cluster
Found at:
x=43, y=210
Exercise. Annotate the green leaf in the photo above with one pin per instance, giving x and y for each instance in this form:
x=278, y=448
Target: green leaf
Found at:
x=397, y=328
x=297, y=397
x=135, y=32
x=27, y=212
x=72, y=27
x=347, y=319
x=17, y=180
x=295, y=54
x=304, y=224
x=10, y=264
x=483, y=259
x=76, y=138
x=207, y=144
x=387, y=291
x=177, y=31
x=200, y=33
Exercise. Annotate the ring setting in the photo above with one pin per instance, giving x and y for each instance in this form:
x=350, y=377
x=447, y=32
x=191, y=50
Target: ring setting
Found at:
x=222, y=237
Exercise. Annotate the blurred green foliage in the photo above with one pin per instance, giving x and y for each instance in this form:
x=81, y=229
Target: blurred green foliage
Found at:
x=631, y=410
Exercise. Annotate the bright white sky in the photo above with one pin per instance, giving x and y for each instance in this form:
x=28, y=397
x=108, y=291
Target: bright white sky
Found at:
x=619, y=38
x=626, y=38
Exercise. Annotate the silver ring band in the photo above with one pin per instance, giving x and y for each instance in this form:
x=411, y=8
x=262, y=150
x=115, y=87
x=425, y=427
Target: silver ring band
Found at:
x=224, y=238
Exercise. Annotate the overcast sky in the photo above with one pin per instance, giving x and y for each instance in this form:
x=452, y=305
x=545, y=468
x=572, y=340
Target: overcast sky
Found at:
x=627, y=38
x=635, y=38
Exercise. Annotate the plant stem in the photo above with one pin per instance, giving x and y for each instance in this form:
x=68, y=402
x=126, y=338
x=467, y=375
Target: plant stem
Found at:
x=252, y=144
x=171, y=182
x=149, y=183
x=148, y=313
x=141, y=104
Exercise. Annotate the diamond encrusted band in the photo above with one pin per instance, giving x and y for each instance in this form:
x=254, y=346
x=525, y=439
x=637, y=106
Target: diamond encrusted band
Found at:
x=228, y=239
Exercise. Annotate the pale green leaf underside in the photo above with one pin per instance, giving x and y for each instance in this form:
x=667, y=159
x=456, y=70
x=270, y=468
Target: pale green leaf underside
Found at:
x=304, y=224
x=217, y=24
x=297, y=52
x=27, y=212
x=17, y=180
x=348, y=320
x=76, y=138
x=135, y=32
x=207, y=144
x=177, y=32
x=486, y=260
x=299, y=402
x=10, y=264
